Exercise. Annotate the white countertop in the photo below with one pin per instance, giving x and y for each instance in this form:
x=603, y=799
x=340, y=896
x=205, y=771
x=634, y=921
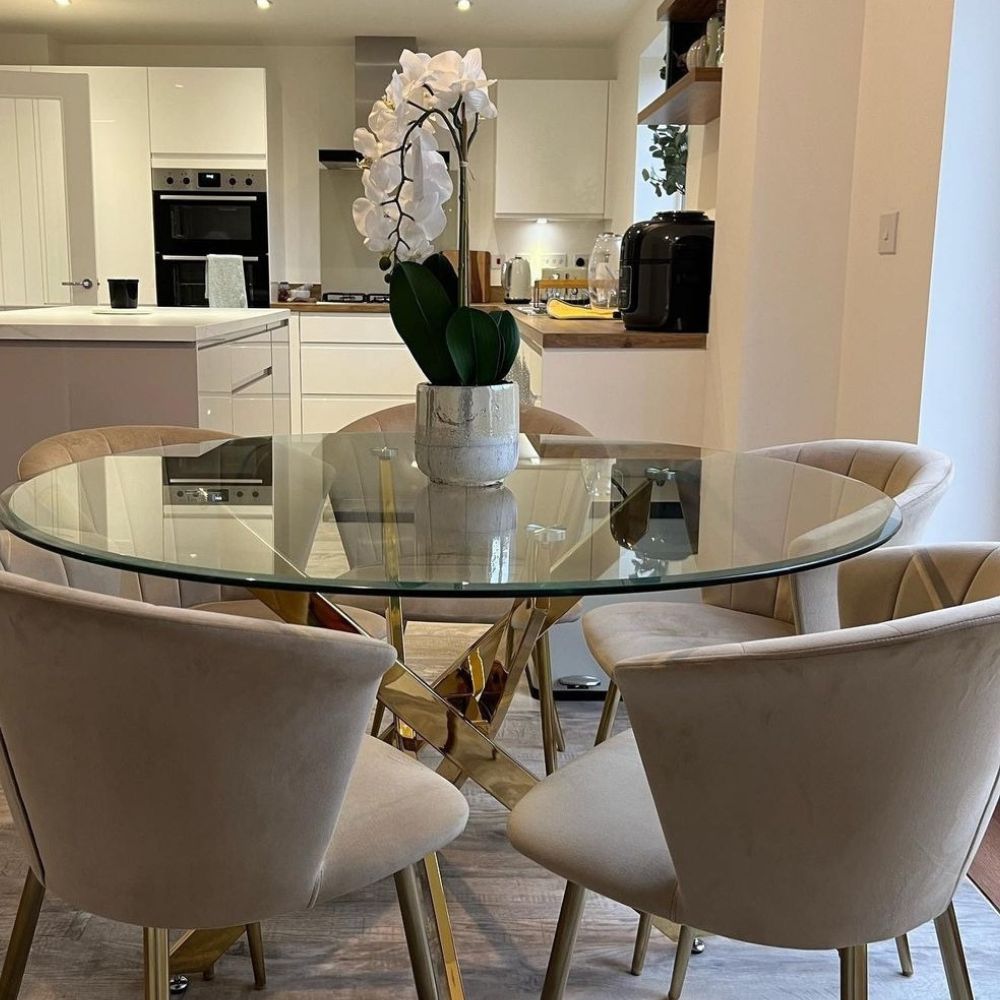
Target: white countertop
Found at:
x=82, y=323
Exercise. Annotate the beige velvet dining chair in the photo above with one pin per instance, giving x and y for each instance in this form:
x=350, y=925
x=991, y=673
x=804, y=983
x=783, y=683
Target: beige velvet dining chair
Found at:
x=95, y=442
x=915, y=477
x=485, y=611
x=139, y=797
x=777, y=791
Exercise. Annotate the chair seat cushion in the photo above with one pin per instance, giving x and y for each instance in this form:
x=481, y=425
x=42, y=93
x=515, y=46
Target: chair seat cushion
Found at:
x=619, y=632
x=593, y=822
x=373, y=624
x=396, y=812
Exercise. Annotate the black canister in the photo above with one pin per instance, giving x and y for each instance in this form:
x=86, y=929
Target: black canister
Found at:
x=666, y=273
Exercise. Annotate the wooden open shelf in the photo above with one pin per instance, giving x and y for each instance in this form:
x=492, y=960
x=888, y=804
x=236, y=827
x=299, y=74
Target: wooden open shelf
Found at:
x=695, y=99
x=686, y=10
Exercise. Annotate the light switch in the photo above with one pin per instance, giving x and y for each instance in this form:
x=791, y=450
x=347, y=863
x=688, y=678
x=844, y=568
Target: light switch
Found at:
x=888, y=228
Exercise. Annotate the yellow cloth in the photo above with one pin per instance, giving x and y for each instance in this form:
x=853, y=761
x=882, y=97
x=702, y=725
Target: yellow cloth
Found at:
x=558, y=309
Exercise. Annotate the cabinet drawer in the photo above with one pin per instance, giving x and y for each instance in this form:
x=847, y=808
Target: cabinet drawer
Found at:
x=375, y=370
x=216, y=411
x=325, y=414
x=253, y=416
x=348, y=329
x=250, y=356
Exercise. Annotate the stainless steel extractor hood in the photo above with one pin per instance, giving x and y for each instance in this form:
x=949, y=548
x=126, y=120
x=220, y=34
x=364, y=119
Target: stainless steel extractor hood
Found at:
x=375, y=58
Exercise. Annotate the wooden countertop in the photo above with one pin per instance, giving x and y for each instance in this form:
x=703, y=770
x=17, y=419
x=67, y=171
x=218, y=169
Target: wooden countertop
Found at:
x=546, y=334
x=543, y=332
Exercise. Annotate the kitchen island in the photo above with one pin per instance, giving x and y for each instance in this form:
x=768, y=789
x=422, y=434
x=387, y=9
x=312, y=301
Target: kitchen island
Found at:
x=70, y=367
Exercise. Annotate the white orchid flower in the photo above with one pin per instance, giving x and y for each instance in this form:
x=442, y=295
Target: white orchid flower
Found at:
x=456, y=78
x=405, y=178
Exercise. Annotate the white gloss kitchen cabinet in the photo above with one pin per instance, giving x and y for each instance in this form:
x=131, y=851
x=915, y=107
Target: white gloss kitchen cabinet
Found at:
x=123, y=213
x=551, y=148
x=196, y=111
x=243, y=382
x=351, y=365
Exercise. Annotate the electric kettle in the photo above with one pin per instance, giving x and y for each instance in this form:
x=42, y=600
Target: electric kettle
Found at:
x=516, y=280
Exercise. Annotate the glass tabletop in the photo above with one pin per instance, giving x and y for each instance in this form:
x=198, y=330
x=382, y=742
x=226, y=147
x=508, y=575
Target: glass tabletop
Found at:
x=352, y=514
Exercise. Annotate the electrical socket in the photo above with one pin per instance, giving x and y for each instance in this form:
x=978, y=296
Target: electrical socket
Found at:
x=554, y=260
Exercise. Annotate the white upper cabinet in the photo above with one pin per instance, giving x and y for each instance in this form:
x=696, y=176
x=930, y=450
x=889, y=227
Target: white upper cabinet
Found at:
x=205, y=112
x=551, y=147
x=123, y=200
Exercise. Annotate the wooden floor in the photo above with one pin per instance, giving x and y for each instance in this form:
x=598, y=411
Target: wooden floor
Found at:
x=504, y=909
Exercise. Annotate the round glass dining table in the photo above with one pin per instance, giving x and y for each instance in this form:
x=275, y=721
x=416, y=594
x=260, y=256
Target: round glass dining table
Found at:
x=317, y=525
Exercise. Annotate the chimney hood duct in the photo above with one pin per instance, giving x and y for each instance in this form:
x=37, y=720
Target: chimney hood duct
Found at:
x=375, y=58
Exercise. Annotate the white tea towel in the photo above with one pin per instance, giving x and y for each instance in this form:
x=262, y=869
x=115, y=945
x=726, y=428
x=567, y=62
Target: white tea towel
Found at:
x=224, y=281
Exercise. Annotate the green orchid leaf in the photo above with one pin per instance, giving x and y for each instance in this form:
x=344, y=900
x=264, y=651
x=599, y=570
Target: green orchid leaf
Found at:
x=510, y=336
x=420, y=310
x=476, y=347
x=442, y=269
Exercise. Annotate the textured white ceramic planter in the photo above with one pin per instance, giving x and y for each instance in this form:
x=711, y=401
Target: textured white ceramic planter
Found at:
x=467, y=435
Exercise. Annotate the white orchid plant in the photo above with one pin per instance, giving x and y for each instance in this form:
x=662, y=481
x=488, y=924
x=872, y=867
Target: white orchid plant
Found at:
x=406, y=185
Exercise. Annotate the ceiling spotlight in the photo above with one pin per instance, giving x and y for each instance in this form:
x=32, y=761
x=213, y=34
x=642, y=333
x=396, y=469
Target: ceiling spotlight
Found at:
x=463, y=4
x=264, y=4
x=63, y=3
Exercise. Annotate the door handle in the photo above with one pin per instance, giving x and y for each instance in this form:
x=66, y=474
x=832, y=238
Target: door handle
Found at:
x=86, y=284
x=252, y=380
x=197, y=198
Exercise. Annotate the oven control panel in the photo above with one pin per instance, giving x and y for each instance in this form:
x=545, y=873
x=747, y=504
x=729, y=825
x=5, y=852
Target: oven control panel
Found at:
x=181, y=179
x=208, y=495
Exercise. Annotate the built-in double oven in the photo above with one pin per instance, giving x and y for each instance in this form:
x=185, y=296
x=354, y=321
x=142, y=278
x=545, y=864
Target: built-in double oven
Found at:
x=201, y=212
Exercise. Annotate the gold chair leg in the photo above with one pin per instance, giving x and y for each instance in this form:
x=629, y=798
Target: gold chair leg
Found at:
x=854, y=973
x=611, y=700
x=560, y=735
x=415, y=929
x=546, y=700
x=21, y=936
x=156, y=954
x=543, y=648
x=562, y=947
x=953, y=955
x=905, y=958
x=641, y=943
x=685, y=942
x=255, y=943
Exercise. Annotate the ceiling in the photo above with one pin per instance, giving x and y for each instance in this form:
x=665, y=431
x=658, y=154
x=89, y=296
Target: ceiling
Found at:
x=314, y=22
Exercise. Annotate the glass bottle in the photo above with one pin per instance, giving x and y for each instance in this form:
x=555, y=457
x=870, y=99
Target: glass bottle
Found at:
x=603, y=271
x=715, y=36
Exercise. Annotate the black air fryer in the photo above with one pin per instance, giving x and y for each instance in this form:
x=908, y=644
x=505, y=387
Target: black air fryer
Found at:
x=666, y=273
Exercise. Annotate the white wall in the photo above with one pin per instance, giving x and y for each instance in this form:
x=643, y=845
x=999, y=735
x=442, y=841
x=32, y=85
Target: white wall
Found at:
x=27, y=49
x=904, y=77
x=786, y=153
x=638, y=36
x=960, y=407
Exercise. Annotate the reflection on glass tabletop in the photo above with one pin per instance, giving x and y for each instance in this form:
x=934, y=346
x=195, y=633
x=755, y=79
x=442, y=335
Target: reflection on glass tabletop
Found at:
x=351, y=513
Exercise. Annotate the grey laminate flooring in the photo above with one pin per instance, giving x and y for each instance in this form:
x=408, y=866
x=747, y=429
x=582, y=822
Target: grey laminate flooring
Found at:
x=504, y=910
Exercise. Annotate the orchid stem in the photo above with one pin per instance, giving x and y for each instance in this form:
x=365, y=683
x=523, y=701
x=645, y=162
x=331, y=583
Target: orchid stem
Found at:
x=464, y=277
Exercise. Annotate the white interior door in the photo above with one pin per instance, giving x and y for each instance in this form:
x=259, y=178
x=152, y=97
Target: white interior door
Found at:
x=47, y=245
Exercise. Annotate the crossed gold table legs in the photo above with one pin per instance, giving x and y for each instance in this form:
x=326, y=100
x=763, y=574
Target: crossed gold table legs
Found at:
x=458, y=714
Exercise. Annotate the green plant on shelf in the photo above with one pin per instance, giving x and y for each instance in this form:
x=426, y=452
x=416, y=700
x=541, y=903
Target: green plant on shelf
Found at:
x=669, y=149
